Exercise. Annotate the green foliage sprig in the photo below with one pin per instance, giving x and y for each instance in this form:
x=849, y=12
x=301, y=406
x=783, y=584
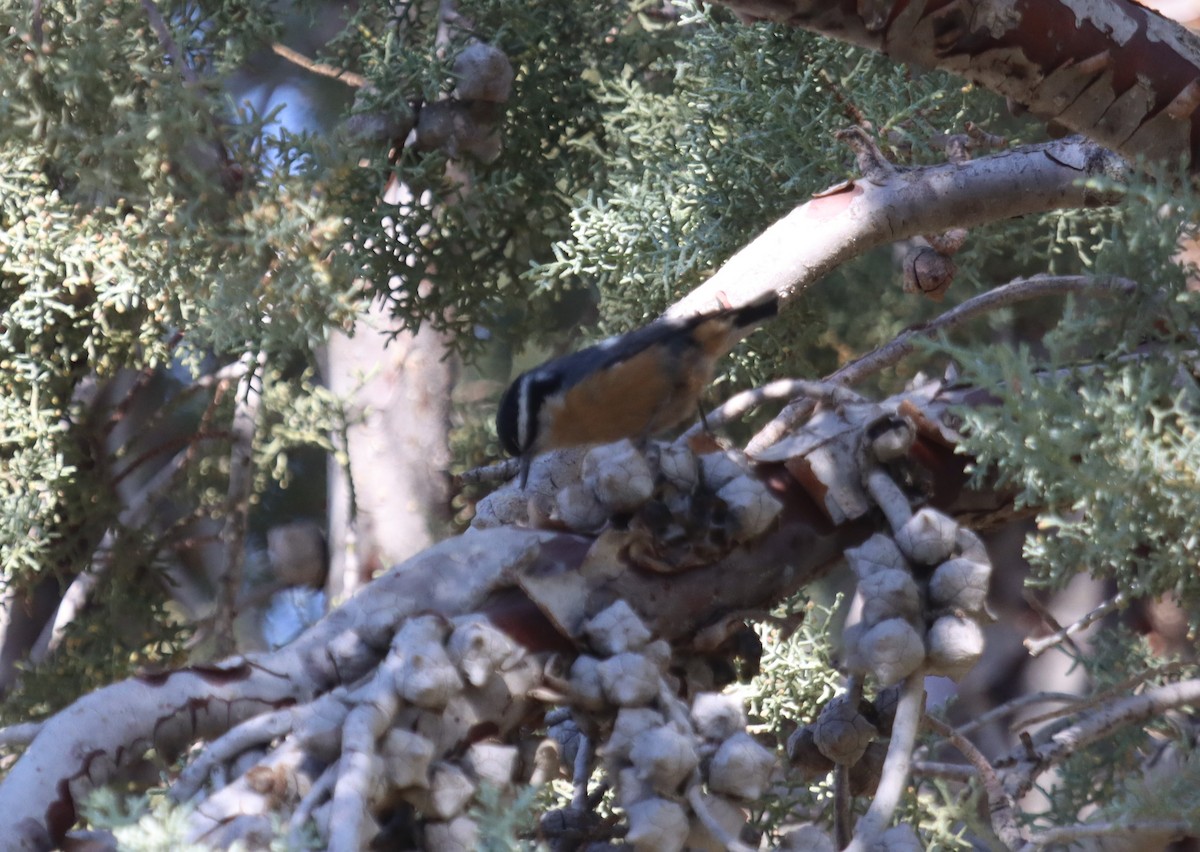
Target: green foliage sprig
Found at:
x=1098, y=425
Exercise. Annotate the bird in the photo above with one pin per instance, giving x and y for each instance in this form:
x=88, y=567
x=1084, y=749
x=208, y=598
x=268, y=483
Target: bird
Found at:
x=633, y=385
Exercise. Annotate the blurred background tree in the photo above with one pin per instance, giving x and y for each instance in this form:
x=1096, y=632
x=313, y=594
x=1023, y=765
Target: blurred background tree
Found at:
x=265, y=267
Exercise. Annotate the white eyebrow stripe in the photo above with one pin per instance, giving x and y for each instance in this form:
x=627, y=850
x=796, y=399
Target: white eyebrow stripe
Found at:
x=523, y=436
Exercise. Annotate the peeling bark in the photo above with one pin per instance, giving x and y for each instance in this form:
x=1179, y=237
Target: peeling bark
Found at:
x=1113, y=70
x=845, y=222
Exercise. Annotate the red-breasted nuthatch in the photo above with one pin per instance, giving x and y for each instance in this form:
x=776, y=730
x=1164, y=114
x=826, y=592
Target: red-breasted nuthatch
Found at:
x=633, y=385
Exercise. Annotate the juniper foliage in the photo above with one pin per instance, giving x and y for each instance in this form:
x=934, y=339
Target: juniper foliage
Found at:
x=1096, y=425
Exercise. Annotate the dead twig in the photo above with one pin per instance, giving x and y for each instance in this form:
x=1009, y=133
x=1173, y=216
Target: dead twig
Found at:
x=903, y=344
x=321, y=69
x=1000, y=804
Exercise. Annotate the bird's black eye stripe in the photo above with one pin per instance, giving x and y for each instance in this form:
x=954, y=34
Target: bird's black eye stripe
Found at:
x=508, y=417
x=517, y=416
x=535, y=387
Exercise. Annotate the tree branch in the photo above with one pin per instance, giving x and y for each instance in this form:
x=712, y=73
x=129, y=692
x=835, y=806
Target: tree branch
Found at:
x=295, y=57
x=83, y=746
x=895, y=767
x=904, y=343
x=1150, y=834
x=1037, y=647
x=166, y=42
x=821, y=234
x=741, y=404
x=19, y=735
x=1015, y=292
x=1000, y=804
x=1113, y=70
x=1014, y=704
x=1025, y=764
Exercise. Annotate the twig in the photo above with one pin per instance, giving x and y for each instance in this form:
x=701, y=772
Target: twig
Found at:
x=1000, y=804
x=581, y=772
x=889, y=497
x=36, y=23
x=1012, y=705
x=19, y=734
x=167, y=42
x=138, y=507
x=1037, y=647
x=1015, y=292
x=740, y=404
x=1121, y=688
x=842, y=828
x=849, y=107
x=345, y=567
x=700, y=809
x=904, y=343
x=949, y=771
x=320, y=68
x=678, y=713
x=319, y=791
x=241, y=483
x=499, y=472
x=255, y=731
x=1030, y=760
x=228, y=373
x=172, y=444
x=872, y=163
x=133, y=516
x=1049, y=618
x=896, y=765
x=1069, y=835
x=217, y=380
x=958, y=146
x=982, y=139
x=73, y=601
x=447, y=23
x=139, y=384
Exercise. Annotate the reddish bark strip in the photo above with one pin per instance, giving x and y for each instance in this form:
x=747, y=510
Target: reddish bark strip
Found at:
x=1113, y=70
